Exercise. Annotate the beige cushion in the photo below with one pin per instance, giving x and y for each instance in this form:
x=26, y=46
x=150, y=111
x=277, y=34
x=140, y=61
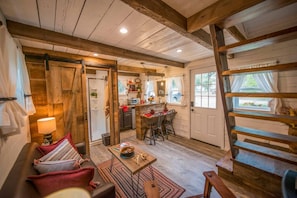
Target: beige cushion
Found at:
x=64, y=151
x=51, y=166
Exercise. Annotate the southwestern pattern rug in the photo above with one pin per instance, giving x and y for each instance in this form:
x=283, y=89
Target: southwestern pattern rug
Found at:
x=121, y=177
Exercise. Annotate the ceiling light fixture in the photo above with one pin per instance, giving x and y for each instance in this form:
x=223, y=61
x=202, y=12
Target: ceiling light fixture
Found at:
x=179, y=50
x=123, y=30
x=95, y=54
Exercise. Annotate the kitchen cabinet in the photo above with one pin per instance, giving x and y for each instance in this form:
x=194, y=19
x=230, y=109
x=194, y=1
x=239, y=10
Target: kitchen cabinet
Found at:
x=125, y=119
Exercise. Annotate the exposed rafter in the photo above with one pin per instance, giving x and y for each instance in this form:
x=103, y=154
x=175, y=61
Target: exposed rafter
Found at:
x=164, y=14
x=254, y=12
x=46, y=36
x=236, y=33
x=217, y=12
x=135, y=69
x=88, y=60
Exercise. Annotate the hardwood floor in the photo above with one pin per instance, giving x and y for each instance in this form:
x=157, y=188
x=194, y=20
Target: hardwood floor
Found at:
x=182, y=164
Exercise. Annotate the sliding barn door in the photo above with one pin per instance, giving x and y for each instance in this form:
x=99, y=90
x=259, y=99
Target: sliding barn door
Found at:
x=65, y=97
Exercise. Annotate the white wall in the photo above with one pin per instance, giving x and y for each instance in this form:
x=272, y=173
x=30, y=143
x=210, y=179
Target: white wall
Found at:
x=283, y=52
x=10, y=146
x=181, y=122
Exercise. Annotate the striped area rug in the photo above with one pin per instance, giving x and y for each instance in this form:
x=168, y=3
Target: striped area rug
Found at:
x=121, y=177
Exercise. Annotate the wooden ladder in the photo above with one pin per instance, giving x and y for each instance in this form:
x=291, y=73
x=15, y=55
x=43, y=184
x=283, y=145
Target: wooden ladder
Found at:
x=238, y=147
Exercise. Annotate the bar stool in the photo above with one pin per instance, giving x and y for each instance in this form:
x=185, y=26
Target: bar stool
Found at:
x=168, y=122
x=158, y=128
x=153, y=124
x=148, y=123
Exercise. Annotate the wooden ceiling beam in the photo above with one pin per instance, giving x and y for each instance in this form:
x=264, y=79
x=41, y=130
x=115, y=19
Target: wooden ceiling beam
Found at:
x=164, y=14
x=56, y=54
x=254, y=12
x=217, y=12
x=135, y=69
x=155, y=74
x=236, y=33
x=128, y=74
x=20, y=30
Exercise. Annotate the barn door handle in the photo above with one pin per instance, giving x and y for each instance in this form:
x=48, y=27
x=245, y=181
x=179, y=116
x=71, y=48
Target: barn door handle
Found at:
x=86, y=115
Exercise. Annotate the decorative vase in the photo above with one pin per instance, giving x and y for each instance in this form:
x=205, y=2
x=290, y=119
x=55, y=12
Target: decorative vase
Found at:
x=293, y=131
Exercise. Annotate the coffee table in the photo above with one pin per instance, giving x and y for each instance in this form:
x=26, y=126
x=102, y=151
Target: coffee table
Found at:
x=131, y=163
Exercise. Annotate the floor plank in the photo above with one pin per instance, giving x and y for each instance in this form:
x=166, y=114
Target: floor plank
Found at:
x=183, y=165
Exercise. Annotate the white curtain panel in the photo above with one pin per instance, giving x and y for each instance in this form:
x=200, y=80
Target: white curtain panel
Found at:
x=268, y=81
x=12, y=114
x=179, y=83
x=236, y=82
x=25, y=84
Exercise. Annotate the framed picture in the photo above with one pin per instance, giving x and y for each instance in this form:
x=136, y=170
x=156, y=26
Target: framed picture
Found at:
x=161, y=88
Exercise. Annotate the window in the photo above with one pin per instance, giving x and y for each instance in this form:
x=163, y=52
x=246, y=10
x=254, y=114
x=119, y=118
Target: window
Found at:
x=150, y=89
x=253, y=83
x=205, y=90
x=121, y=88
x=175, y=90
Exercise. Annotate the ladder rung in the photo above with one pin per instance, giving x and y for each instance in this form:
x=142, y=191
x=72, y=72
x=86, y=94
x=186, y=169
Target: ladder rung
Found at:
x=262, y=95
x=276, y=137
x=261, y=41
x=282, y=67
x=269, y=152
x=264, y=116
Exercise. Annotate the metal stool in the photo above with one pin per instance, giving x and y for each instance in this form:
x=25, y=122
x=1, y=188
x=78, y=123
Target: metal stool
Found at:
x=168, y=122
x=148, y=123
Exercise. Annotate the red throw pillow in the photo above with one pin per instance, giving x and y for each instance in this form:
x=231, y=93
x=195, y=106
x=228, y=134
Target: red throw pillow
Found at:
x=46, y=149
x=54, y=181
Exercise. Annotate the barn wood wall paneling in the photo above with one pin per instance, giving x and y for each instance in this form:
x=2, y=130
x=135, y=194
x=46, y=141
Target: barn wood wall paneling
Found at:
x=59, y=92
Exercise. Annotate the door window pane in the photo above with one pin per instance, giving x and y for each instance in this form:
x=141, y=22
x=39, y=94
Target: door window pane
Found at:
x=205, y=90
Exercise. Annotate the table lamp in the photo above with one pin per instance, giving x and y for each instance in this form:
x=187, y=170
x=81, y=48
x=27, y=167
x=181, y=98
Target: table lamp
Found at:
x=46, y=126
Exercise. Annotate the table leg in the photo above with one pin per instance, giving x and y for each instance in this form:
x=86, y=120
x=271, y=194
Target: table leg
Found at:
x=111, y=163
x=152, y=172
x=137, y=183
x=132, y=184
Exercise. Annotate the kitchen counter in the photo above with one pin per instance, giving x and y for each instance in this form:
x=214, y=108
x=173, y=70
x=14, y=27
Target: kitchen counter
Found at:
x=141, y=109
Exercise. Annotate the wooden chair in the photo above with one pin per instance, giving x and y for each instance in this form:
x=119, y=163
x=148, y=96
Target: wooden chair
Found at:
x=153, y=124
x=168, y=122
x=158, y=128
x=213, y=180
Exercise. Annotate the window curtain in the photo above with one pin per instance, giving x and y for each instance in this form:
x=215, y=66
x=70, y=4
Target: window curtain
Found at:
x=175, y=83
x=236, y=82
x=268, y=81
x=14, y=84
x=149, y=89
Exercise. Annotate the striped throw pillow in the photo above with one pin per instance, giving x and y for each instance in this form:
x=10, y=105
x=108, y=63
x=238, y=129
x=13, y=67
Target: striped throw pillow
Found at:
x=64, y=151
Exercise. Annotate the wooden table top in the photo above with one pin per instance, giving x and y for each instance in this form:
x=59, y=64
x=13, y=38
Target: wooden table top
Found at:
x=131, y=163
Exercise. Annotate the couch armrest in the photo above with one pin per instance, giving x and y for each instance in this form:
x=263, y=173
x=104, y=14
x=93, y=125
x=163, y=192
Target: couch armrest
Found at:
x=105, y=191
x=81, y=147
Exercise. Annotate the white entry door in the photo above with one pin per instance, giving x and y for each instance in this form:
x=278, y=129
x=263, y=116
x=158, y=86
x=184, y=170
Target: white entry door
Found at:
x=207, y=123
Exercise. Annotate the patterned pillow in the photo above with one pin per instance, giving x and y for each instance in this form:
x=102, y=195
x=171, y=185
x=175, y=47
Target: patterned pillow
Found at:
x=52, y=166
x=63, y=151
x=46, y=149
x=54, y=181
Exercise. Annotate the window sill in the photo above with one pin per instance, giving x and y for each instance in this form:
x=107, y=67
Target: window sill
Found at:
x=174, y=104
x=254, y=110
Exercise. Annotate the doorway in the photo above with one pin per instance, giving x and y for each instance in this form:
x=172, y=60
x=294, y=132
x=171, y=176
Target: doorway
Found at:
x=207, y=123
x=96, y=98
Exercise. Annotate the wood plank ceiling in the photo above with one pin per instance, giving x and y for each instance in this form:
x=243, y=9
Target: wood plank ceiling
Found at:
x=151, y=31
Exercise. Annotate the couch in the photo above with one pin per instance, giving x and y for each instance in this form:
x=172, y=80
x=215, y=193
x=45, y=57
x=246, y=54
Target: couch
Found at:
x=16, y=184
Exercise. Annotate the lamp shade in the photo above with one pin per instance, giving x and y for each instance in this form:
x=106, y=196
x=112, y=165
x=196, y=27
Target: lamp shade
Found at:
x=46, y=125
